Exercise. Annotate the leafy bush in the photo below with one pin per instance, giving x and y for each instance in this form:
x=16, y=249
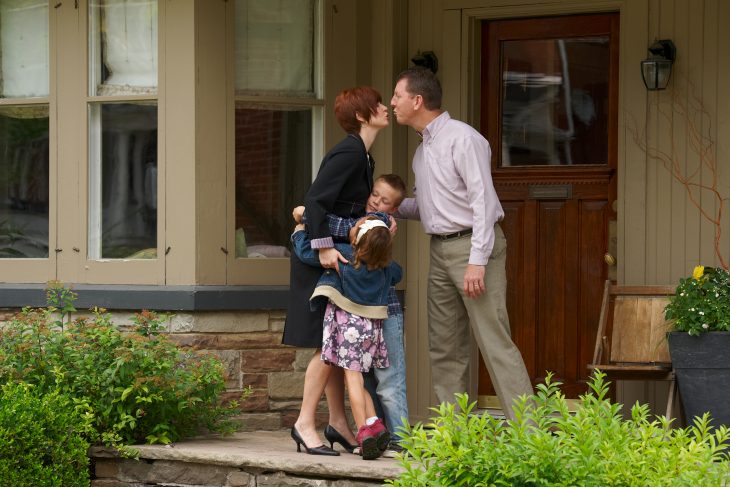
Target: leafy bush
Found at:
x=548, y=446
x=139, y=386
x=701, y=302
x=42, y=438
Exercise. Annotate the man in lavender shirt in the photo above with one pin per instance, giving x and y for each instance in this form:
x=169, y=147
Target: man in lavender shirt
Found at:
x=458, y=206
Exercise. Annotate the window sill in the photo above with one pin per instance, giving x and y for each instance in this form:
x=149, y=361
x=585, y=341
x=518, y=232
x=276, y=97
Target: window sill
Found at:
x=173, y=298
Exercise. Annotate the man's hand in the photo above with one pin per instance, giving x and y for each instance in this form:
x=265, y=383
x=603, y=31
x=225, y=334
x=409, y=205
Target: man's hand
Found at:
x=474, y=280
x=297, y=214
x=393, y=225
x=330, y=258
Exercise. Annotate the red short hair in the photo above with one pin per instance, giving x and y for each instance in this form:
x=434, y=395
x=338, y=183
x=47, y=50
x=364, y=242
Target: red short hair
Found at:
x=362, y=100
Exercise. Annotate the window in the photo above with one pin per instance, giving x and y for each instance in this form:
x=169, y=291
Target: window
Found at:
x=553, y=101
x=90, y=91
x=278, y=119
x=24, y=130
x=122, y=117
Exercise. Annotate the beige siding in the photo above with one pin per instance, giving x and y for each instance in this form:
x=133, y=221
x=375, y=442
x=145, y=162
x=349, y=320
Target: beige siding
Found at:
x=633, y=26
x=664, y=235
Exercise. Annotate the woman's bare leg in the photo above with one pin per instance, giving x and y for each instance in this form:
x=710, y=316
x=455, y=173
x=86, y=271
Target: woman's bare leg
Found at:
x=335, y=391
x=360, y=401
x=315, y=380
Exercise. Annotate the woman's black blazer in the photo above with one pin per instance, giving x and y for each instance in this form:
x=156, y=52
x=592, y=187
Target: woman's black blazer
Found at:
x=342, y=187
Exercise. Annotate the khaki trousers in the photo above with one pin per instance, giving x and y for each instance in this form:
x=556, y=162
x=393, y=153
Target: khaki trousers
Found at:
x=451, y=313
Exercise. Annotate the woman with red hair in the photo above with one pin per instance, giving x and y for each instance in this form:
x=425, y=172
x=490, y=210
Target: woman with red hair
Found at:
x=341, y=188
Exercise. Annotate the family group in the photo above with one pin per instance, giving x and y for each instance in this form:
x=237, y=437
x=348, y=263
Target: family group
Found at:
x=342, y=282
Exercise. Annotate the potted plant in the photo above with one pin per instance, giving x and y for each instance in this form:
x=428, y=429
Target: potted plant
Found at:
x=699, y=314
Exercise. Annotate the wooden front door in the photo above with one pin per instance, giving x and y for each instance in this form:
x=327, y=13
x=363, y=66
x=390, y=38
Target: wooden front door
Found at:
x=549, y=111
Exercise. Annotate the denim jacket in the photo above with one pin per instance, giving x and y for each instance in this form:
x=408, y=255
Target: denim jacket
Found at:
x=358, y=291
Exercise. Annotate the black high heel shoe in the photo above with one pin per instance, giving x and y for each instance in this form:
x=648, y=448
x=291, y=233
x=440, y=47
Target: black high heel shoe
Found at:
x=317, y=450
x=334, y=436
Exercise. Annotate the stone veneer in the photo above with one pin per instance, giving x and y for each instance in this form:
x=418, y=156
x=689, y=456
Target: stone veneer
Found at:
x=153, y=473
x=249, y=345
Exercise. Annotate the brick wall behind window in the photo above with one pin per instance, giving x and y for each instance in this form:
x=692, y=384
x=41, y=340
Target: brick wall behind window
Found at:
x=258, y=166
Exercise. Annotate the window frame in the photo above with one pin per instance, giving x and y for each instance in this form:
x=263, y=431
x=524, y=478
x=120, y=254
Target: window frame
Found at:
x=120, y=271
x=30, y=270
x=267, y=271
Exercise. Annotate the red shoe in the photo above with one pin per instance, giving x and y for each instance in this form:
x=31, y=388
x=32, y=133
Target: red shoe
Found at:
x=368, y=443
x=381, y=433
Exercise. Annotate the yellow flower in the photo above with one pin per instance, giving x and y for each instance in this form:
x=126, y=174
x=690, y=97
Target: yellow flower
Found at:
x=698, y=272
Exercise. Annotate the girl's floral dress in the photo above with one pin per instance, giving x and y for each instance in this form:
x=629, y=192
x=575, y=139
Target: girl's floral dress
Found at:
x=353, y=342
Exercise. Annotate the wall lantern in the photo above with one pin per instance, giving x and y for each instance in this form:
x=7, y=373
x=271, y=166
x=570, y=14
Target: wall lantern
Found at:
x=657, y=68
x=426, y=60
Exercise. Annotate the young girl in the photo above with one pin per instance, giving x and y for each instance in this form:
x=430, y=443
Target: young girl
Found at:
x=356, y=305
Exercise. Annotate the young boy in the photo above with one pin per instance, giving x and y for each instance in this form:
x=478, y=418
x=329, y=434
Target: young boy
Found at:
x=388, y=192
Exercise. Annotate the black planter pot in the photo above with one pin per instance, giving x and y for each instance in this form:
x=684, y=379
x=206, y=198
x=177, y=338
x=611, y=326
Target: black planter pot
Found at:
x=702, y=365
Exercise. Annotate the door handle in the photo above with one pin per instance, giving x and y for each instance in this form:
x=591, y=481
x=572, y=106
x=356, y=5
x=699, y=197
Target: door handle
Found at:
x=609, y=259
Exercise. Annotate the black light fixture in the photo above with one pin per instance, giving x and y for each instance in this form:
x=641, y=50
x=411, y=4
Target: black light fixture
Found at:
x=657, y=68
x=426, y=60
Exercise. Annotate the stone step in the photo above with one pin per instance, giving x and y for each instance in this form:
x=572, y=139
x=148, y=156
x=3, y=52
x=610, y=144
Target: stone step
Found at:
x=260, y=458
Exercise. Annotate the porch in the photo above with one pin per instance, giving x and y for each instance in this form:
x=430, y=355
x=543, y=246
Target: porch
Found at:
x=258, y=458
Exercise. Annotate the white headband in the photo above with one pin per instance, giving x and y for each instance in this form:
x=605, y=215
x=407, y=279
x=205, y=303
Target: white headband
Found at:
x=368, y=225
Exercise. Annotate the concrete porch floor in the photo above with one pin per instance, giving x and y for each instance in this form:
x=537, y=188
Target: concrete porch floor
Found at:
x=214, y=461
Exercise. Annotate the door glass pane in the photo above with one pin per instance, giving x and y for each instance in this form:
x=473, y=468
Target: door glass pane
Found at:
x=24, y=182
x=555, y=101
x=122, y=47
x=23, y=48
x=273, y=173
x=123, y=180
x=275, y=47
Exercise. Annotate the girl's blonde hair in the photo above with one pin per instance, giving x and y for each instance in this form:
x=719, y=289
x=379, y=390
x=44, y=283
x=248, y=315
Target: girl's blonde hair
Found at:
x=375, y=248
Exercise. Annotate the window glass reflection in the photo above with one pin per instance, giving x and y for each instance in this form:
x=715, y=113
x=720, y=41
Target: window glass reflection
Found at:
x=24, y=182
x=123, y=181
x=555, y=101
x=273, y=173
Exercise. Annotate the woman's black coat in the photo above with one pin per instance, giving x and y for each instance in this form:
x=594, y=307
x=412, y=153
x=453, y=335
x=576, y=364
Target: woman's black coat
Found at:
x=342, y=187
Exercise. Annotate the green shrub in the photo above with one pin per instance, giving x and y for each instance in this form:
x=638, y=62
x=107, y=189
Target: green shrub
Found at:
x=41, y=439
x=548, y=446
x=139, y=386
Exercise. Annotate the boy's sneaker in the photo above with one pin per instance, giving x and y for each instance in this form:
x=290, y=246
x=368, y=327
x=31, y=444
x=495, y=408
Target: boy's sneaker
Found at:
x=368, y=443
x=381, y=433
x=393, y=450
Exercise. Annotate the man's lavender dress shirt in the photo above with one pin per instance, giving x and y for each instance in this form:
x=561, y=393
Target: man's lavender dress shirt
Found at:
x=454, y=189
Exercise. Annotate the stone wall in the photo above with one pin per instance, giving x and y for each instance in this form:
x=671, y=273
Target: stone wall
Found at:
x=151, y=473
x=249, y=345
